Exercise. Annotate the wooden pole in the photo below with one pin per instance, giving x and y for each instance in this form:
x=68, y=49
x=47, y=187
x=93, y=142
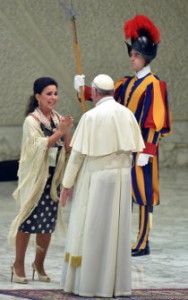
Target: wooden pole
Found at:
x=78, y=62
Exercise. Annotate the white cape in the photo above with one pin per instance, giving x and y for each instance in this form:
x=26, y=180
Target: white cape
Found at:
x=119, y=130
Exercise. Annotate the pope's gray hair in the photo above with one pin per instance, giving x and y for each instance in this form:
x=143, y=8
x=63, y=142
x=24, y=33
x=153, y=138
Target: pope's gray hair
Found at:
x=101, y=91
x=105, y=92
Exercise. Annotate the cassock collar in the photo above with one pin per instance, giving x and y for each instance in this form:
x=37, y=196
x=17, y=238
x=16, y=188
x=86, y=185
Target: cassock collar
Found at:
x=104, y=100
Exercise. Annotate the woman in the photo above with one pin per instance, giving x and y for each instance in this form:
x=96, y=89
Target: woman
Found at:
x=45, y=143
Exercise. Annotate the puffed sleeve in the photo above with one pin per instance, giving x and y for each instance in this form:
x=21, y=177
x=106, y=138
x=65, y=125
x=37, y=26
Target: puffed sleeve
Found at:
x=156, y=120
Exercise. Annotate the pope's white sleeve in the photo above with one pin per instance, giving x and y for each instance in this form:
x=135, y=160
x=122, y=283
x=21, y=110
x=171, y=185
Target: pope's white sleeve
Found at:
x=73, y=166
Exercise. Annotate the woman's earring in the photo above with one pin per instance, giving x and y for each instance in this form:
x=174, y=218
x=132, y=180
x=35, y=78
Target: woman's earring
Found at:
x=38, y=102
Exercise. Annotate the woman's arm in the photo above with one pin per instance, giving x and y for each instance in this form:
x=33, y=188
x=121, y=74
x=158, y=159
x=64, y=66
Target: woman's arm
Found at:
x=65, y=126
x=55, y=137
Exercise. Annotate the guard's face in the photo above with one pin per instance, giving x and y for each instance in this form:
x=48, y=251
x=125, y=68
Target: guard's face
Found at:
x=48, y=98
x=138, y=62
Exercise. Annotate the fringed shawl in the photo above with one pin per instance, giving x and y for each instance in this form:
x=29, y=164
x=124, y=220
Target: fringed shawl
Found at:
x=33, y=172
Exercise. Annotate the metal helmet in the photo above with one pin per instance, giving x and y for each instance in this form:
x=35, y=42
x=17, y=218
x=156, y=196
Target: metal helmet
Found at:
x=144, y=35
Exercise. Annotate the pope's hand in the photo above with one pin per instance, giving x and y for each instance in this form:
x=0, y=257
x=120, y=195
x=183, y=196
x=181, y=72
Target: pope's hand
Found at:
x=143, y=159
x=79, y=80
x=64, y=195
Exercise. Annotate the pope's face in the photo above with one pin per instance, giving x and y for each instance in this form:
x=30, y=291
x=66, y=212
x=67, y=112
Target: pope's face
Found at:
x=138, y=62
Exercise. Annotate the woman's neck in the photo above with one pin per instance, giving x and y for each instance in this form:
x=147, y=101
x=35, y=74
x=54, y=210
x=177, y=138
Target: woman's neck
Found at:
x=46, y=113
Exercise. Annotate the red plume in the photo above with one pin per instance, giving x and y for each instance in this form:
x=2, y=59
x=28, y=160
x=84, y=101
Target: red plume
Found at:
x=133, y=26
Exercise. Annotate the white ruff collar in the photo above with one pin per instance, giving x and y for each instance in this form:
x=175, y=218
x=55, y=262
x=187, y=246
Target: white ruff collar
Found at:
x=146, y=70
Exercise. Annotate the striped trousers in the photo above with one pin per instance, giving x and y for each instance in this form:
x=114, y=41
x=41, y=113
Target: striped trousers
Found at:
x=145, y=215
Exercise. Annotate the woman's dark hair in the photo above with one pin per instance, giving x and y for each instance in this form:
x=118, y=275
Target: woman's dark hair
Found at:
x=38, y=87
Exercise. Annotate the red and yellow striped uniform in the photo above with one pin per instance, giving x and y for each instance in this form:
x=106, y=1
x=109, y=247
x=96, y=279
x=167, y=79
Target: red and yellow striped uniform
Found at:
x=147, y=99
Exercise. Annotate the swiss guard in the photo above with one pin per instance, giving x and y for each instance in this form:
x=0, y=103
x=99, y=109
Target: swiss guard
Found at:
x=146, y=96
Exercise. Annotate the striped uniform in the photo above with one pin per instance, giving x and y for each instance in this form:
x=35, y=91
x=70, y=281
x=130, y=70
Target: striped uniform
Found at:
x=147, y=99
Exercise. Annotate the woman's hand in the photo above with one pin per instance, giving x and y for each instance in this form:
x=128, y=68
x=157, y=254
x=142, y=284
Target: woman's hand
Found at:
x=64, y=195
x=66, y=124
x=69, y=120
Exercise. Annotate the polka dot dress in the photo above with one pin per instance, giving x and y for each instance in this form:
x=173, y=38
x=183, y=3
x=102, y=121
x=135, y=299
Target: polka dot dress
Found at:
x=44, y=216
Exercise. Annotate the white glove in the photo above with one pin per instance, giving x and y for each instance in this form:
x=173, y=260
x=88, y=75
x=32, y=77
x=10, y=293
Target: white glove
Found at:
x=143, y=159
x=79, y=80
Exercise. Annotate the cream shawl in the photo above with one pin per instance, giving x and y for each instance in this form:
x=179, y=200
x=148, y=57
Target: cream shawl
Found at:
x=33, y=172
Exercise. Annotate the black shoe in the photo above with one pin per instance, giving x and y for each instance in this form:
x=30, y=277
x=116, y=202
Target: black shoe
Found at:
x=141, y=252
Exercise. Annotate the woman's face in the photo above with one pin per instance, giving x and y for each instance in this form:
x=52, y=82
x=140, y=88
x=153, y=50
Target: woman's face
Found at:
x=138, y=62
x=48, y=98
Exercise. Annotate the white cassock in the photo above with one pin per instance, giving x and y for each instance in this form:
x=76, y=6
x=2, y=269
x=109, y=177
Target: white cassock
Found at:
x=97, y=259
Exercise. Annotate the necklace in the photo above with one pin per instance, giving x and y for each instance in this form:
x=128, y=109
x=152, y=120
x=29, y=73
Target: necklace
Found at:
x=44, y=120
x=55, y=117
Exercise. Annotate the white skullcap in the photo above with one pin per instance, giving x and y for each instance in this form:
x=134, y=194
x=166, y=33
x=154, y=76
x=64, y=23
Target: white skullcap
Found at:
x=103, y=82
